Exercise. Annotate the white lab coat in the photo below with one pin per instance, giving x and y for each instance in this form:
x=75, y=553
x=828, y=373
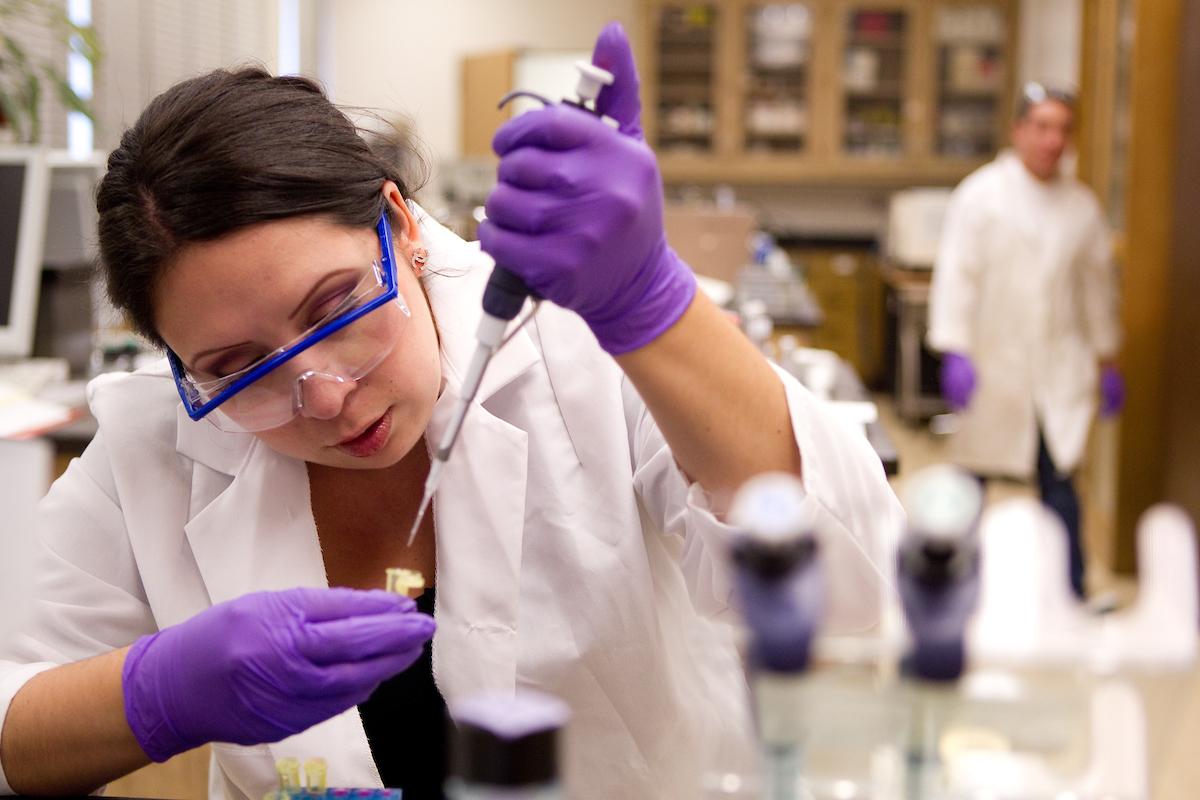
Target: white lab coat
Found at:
x=573, y=556
x=1026, y=286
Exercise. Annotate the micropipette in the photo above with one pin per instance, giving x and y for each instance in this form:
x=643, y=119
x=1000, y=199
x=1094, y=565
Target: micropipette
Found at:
x=503, y=298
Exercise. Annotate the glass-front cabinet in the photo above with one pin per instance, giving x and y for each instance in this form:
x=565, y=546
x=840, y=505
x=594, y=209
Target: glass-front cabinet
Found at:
x=777, y=91
x=874, y=80
x=972, y=74
x=685, y=116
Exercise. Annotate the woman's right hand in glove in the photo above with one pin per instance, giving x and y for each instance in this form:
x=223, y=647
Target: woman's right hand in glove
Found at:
x=265, y=666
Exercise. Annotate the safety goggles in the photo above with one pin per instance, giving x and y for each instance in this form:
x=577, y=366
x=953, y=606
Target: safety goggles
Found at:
x=1034, y=92
x=333, y=354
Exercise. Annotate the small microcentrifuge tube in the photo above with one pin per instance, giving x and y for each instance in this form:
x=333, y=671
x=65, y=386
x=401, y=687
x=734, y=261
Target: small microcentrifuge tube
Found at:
x=407, y=582
x=289, y=773
x=315, y=770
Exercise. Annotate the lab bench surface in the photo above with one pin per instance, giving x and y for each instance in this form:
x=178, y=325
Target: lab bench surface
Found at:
x=848, y=386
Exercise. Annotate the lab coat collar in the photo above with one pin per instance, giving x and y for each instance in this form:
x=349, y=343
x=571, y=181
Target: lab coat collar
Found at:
x=258, y=534
x=1010, y=161
x=201, y=442
x=456, y=274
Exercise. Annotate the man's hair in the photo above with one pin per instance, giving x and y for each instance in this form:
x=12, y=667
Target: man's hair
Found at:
x=1034, y=93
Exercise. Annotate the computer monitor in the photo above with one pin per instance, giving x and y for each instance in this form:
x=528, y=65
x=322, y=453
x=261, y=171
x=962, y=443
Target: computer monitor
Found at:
x=24, y=199
x=71, y=222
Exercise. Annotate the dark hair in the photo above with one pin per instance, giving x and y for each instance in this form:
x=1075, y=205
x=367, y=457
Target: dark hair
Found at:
x=220, y=152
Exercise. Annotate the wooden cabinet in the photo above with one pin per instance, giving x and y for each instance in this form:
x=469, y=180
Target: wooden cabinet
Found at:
x=830, y=91
x=846, y=283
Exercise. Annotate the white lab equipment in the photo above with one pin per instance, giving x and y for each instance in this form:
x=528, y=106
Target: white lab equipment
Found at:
x=25, y=472
x=758, y=325
x=914, y=226
x=1048, y=705
x=780, y=589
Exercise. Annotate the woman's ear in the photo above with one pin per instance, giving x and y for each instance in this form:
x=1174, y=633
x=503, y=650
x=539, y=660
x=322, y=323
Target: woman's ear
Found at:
x=406, y=232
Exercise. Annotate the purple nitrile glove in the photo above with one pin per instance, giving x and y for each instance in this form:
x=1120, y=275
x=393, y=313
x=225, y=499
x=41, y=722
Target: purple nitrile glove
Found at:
x=266, y=666
x=958, y=380
x=577, y=212
x=1112, y=391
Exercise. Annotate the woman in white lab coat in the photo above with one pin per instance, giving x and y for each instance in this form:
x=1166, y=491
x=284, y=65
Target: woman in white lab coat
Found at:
x=575, y=543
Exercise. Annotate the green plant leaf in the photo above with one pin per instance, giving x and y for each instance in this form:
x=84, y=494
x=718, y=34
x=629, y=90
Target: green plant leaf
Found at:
x=33, y=97
x=69, y=98
x=24, y=80
x=14, y=113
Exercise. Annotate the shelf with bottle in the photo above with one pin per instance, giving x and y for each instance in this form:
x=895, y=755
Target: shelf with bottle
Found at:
x=685, y=62
x=686, y=44
x=877, y=26
x=970, y=79
x=874, y=129
x=874, y=62
x=778, y=126
x=777, y=76
x=779, y=36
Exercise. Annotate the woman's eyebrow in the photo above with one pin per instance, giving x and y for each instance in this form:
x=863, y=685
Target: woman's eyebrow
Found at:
x=317, y=287
x=213, y=350
x=300, y=307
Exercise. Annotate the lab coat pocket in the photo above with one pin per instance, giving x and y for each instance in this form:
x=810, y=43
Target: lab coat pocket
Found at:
x=247, y=772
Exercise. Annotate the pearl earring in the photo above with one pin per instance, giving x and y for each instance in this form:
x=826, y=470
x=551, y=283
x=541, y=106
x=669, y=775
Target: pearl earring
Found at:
x=419, y=257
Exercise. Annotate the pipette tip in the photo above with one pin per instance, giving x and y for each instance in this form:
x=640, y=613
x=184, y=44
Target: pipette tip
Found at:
x=412, y=534
x=431, y=482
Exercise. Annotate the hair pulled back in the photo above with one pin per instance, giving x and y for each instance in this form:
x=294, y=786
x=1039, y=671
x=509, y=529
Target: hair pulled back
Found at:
x=220, y=152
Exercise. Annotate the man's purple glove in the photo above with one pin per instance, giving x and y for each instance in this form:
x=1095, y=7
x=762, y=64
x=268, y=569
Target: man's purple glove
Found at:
x=958, y=380
x=1112, y=391
x=266, y=665
x=577, y=212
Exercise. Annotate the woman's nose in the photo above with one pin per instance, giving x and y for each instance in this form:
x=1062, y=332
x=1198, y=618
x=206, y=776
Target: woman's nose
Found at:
x=320, y=395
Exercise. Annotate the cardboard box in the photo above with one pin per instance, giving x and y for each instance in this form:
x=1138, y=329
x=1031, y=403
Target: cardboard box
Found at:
x=714, y=243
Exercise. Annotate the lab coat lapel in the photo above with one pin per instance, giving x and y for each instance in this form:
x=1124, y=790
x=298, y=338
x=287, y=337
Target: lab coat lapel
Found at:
x=574, y=376
x=253, y=530
x=479, y=509
x=258, y=532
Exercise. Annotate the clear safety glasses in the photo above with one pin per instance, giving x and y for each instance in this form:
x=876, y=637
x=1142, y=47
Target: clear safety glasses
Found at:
x=324, y=361
x=1033, y=93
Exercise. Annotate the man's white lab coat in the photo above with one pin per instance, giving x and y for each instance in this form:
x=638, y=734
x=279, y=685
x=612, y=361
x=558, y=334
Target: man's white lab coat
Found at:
x=1025, y=286
x=573, y=556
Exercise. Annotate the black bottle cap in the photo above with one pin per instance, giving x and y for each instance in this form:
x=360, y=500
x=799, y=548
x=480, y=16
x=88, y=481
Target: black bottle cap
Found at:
x=773, y=559
x=506, y=740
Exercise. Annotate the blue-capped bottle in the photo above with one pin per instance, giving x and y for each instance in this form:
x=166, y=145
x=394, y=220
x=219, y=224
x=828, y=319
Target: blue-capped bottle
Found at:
x=938, y=569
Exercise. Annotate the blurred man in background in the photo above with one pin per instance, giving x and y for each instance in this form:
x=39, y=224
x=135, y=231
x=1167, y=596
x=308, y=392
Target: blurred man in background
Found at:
x=1024, y=310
